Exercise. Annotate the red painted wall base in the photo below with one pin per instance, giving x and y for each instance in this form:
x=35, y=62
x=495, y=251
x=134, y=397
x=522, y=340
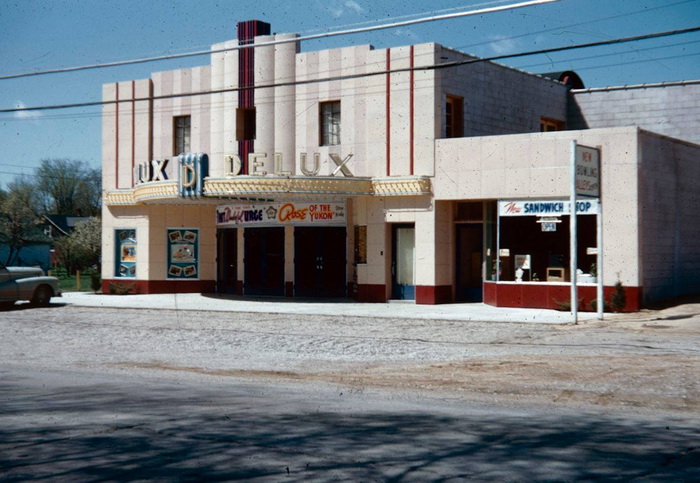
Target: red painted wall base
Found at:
x=433, y=294
x=546, y=295
x=162, y=286
x=371, y=293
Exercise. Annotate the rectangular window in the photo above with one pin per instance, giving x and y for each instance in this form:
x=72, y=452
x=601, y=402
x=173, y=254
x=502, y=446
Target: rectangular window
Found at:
x=454, y=117
x=245, y=123
x=181, y=135
x=361, y=244
x=547, y=125
x=329, y=123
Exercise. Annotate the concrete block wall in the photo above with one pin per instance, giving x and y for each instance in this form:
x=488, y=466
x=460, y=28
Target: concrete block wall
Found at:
x=670, y=110
x=670, y=212
x=498, y=99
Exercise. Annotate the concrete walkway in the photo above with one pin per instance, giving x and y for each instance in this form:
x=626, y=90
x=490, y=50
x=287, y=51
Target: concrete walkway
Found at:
x=275, y=305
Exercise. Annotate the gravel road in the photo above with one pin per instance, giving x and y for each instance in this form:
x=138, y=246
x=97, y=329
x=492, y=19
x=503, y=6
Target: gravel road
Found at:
x=645, y=361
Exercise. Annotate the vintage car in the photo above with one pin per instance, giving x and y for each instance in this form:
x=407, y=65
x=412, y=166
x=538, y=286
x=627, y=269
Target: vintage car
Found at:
x=26, y=283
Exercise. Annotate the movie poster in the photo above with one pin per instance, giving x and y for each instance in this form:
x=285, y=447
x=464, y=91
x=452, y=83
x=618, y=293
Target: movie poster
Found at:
x=183, y=253
x=125, y=246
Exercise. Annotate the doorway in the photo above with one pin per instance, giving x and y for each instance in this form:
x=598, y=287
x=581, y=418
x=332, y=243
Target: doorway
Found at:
x=320, y=262
x=470, y=247
x=226, y=260
x=264, y=261
x=403, y=262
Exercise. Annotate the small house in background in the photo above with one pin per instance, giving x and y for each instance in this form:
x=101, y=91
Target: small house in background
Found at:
x=58, y=226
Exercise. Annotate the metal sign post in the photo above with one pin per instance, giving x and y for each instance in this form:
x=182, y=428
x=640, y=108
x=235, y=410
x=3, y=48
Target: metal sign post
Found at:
x=585, y=182
x=573, y=242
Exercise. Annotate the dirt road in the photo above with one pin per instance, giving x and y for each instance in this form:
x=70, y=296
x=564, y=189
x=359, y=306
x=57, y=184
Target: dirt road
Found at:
x=648, y=360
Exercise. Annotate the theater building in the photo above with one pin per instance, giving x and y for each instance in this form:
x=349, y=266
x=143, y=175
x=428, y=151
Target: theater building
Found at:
x=410, y=173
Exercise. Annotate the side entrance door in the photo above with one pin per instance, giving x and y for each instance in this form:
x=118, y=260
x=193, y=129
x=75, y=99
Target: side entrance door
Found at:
x=320, y=262
x=470, y=247
x=264, y=261
x=403, y=285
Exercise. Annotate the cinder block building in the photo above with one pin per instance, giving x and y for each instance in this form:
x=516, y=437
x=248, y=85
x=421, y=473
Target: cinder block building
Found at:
x=416, y=172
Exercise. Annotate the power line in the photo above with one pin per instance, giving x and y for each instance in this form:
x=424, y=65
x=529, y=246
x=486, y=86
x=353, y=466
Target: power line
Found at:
x=403, y=23
x=366, y=74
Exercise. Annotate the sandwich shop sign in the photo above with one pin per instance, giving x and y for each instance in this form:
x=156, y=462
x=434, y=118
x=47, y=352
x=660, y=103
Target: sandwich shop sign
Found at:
x=285, y=213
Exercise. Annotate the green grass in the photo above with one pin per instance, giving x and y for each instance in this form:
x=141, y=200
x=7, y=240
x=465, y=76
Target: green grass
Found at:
x=69, y=283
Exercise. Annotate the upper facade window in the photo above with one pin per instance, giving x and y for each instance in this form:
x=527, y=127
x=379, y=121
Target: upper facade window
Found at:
x=181, y=138
x=547, y=125
x=454, y=117
x=329, y=123
x=245, y=123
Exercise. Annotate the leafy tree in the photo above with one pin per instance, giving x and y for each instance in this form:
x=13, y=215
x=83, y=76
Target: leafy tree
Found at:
x=18, y=218
x=69, y=187
x=82, y=248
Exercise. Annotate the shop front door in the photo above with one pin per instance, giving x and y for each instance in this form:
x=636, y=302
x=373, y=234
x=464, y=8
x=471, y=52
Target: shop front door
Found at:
x=469, y=259
x=226, y=260
x=320, y=262
x=403, y=262
x=264, y=261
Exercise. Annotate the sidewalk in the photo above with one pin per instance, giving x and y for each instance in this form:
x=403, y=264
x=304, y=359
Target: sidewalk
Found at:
x=275, y=305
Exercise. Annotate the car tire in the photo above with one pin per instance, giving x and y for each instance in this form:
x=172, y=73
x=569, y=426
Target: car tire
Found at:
x=42, y=296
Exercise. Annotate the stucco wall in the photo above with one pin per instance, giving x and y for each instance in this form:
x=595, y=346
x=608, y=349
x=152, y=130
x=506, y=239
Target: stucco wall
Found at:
x=670, y=210
x=151, y=223
x=536, y=166
x=670, y=110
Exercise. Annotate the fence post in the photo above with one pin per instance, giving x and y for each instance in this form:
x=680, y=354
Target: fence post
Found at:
x=77, y=279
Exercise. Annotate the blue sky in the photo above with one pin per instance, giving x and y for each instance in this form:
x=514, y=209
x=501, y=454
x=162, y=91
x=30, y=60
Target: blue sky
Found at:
x=47, y=34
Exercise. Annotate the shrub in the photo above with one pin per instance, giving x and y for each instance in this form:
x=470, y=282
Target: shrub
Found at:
x=619, y=298
x=95, y=281
x=594, y=305
x=119, y=288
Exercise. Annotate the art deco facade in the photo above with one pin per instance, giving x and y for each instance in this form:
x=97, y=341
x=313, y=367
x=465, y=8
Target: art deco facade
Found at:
x=384, y=174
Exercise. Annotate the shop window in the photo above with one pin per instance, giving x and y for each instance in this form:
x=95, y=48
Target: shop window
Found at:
x=529, y=254
x=454, y=117
x=329, y=123
x=181, y=138
x=245, y=123
x=125, y=245
x=547, y=125
x=361, y=244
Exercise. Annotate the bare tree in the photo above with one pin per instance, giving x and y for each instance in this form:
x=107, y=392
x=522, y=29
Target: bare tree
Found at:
x=69, y=187
x=18, y=218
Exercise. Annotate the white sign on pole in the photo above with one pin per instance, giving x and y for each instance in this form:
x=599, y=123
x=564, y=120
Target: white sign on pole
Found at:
x=587, y=171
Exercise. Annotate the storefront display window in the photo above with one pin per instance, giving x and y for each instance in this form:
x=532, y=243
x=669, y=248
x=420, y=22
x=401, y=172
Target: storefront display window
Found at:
x=183, y=253
x=125, y=266
x=533, y=241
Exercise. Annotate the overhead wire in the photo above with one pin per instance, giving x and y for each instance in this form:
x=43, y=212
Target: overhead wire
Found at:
x=443, y=65
x=350, y=31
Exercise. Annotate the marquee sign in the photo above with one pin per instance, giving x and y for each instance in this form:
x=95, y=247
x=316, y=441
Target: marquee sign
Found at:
x=282, y=214
x=546, y=208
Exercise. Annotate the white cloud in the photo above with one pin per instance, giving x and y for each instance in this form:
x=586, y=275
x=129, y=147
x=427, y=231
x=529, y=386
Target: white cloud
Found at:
x=25, y=114
x=338, y=8
x=353, y=5
x=502, y=45
x=406, y=32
